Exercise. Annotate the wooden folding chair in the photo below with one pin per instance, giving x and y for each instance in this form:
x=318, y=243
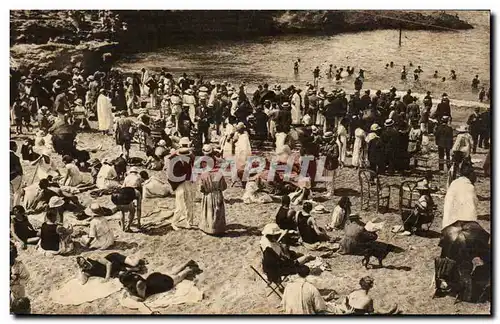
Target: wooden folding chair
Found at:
x=278, y=286
x=371, y=186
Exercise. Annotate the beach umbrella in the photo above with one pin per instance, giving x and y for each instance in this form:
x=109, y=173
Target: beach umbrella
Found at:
x=270, y=95
x=464, y=240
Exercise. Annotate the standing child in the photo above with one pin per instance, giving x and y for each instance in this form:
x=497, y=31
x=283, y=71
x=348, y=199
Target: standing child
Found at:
x=414, y=140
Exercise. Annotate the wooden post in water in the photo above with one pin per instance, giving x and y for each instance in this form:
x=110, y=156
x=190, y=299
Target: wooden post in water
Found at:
x=400, y=32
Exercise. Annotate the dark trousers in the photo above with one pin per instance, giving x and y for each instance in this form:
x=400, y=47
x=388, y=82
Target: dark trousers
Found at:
x=441, y=153
x=475, y=140
x=484, y=139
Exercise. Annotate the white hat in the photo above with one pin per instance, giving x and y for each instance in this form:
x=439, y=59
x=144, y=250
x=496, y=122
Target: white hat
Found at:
x=203, y=89
x=189, y=91
x=374, y=127
x=234, y=96
x=272, y=229
x=374, y=225
x=78, y=101
x=94, y=210
x=388, y=122
x=162, y=143
x=207, y=149
x=184, y=141
x=212, y=82
x=56, y=201
x=240, y=125
x=463, y=128
x=133, y=170
x=170, y=124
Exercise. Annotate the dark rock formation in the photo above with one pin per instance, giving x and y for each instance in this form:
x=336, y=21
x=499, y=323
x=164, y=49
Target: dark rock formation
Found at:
x=49, y=38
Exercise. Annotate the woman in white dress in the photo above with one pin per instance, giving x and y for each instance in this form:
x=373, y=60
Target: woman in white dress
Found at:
x=242, y=148
x=104, y=114
x=342, y=142
x=190, y=100
x=359, y=148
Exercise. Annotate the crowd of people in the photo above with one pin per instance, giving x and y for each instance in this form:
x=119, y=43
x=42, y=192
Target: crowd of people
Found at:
x=182, y=119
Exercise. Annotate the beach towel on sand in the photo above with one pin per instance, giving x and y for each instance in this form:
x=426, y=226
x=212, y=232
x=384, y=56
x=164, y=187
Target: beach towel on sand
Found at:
x=94, y=289
x=184, y=293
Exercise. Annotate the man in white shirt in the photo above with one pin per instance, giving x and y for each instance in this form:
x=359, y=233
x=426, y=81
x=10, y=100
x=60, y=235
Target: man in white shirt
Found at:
x=301, y=297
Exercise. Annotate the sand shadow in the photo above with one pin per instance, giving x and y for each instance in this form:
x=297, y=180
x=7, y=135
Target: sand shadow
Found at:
x=346, y=192
x=485, y=217
x=391, y=267
x=121, y=245
x=238, y=230
x=428, y=234
x=157, y=230
x=231, y=201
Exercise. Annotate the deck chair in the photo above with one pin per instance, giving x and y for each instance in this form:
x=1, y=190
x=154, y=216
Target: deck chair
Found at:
x=275, y=287
x=373, y=190
x=408, y=196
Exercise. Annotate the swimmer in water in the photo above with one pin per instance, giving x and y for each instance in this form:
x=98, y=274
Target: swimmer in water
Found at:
x=453, y=75
x=392, y=64
x=387, y=66
x=435, y=74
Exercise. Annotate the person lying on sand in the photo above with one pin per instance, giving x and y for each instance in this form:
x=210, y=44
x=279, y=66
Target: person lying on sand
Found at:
x=107, y=267
x=139, y=288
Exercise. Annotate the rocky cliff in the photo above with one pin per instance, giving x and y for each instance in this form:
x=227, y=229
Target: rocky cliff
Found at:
x=49, y=39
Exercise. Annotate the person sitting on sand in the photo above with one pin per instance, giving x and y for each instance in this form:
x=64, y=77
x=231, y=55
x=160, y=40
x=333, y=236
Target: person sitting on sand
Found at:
x=49, y=238
x=100, y=234
x=360, y=302
x=21, y=229
x=124, y=200
x=72, y=177
x=285, y=218
x=278, y=260
x=356, y=237
x=153, y=162
x=340, y=214
x=107, y=176
x=109, y=266
x=309, y=231
x=302, y=297
x=20, y=306
x=156, y=283
x=19, y=275
x=422, y=213
x=152, y=187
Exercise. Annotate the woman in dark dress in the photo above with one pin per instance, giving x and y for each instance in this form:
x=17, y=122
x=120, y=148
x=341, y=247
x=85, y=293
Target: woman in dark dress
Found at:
x=21, y=228
x=49, y=238
x=140, y=288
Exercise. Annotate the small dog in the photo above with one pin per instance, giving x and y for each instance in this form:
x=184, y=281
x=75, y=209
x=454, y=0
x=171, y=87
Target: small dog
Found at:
x=379, y=250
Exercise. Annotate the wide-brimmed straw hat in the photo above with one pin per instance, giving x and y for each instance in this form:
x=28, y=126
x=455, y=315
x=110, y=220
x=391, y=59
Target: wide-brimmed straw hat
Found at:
x=463, y=129
x=285, y=105
x=94, y=209
x=203, y=89
x=320, y=209
x=234, y=96
x=189, y=91
x=240, y=126
x=375, y=127
x=78, y=101
x=207, y=149
x=55, y=202
x=272, y=229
